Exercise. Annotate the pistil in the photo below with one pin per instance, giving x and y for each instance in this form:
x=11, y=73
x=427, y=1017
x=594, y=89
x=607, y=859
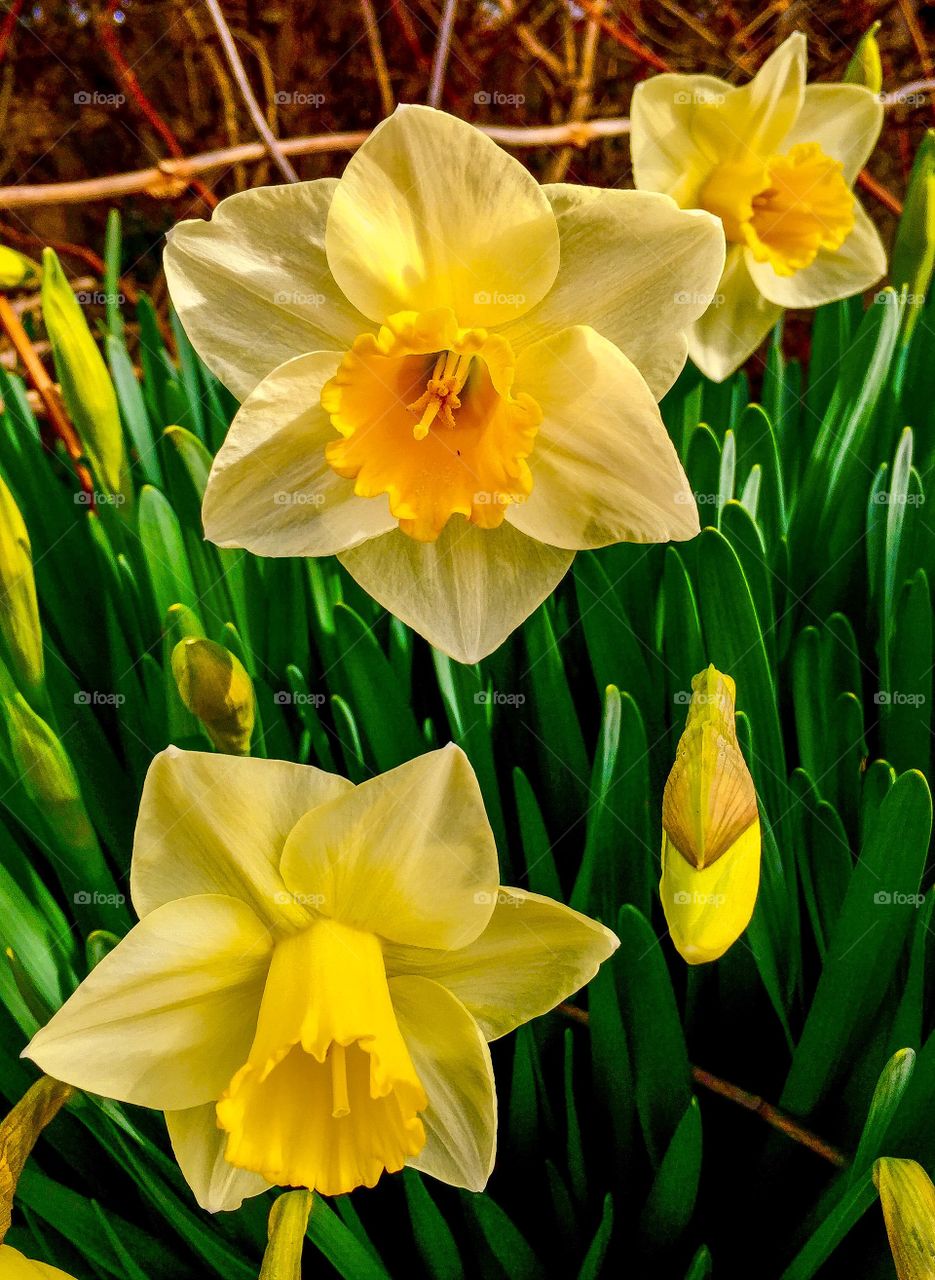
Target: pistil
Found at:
x=442, y=392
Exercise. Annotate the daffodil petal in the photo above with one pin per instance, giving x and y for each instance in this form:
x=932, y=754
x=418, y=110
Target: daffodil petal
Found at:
x=533, y=954
x=857, y=265
x=733, y=328
x=167, y=1017
x=252, y=287
x=430, y=213
x=271, y=489
x=218, y=824
x=452, y=1060
x=408, y=854
x=465, y=592
x=755, y=119
x=907, y=1198
x=663, y=150
x=14, y=1266
x=667, y=265
x=199, y=1145
x=844, y=119
x=708, y=910
x=604, y=469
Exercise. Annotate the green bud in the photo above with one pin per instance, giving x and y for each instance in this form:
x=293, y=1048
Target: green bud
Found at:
x=865, y=66
x=86, y=386
x=19, y=611
x=214, y=685
x=914, y=248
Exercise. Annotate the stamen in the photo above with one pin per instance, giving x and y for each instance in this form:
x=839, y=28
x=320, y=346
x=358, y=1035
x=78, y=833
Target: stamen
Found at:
x=340, y=1104
x=442, y=392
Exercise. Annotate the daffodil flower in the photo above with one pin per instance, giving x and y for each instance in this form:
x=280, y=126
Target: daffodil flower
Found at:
x=16, y=1266
x=776, y=160
x=316, y=973
x=449, y=374
x=711, y=828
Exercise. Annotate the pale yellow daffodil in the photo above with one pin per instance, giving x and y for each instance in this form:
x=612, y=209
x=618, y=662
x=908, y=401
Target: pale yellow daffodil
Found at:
x=15, y=1266
x=907, y=1198
x=711, y=828
x=316, y=973
x=449, y=373
x=776, y=160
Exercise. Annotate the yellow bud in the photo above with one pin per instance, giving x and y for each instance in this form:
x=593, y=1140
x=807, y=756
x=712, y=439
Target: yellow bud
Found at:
x=865, y=67
x=16, y=270
x=908, y=1201
x=86, y=386
x=711, y=828
x=288, y=1222
x=19, y=612
x=214, y=685
x=18, y=1135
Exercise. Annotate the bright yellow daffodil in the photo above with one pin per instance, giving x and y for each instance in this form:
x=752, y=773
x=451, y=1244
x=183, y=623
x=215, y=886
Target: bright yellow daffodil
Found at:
x=776, y=160
x=14, y=1266
x=449, y=373
x=907, y=1197
x=316, y=973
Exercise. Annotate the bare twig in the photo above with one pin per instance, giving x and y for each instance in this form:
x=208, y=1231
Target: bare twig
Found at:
x=440, y=61
x=378, y=57
x=749, y=1101
x=154, y=178
x=270, y=142
x=584, y=87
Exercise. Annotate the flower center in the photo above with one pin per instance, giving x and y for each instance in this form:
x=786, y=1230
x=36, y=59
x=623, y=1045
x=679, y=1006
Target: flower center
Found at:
x=328, y=1097
x=783, y=209
x=427, y=416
